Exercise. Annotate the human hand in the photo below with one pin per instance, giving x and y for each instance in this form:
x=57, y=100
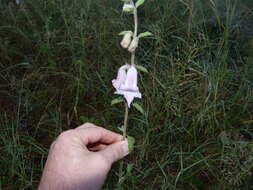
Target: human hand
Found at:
x=81, y=158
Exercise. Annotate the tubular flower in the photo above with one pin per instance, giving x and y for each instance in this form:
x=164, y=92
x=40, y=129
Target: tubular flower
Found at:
x=133, y=45
x=126, y=83
x=121, y=77
x=126, y=39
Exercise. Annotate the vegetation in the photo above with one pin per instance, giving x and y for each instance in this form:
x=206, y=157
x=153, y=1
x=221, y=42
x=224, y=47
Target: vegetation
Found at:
x=57, y=60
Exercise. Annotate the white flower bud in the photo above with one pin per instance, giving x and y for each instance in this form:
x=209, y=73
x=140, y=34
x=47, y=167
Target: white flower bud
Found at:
x=133, y=45
x=128, y=7
x=126, y=39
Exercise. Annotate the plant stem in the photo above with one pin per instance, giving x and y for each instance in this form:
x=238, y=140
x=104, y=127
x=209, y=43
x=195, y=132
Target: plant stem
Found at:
x=121, y=171
x=135, y=33
x=135, y=22
x=124, y=136
x=125, y=121
x=126, y=106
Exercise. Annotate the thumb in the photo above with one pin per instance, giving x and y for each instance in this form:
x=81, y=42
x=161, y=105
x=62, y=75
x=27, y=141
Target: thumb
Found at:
x=115, y=151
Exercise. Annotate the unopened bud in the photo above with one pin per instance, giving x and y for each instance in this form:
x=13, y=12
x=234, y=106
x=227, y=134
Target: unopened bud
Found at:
x=133, y=45
x=126, y=39
x=128, y=7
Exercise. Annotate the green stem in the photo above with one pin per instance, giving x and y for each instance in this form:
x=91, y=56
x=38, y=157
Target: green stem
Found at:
x=135, y=22
x=121, y=172
x=125, y=121
x=126, y=106
x=135, y=33
x=125, y=137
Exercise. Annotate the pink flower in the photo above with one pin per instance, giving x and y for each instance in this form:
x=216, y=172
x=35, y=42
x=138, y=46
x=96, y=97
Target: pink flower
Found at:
x=121, y=78
x=126, y=83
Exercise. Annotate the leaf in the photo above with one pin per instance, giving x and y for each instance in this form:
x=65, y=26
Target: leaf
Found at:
x=131, y=142
x=139, y=108
x=83, y=119
x=141, y=68
x=24, y=63
x=124, y=32
x=139, y=3
x=129, y=169
x=116, y=101
x=145, y=34
x=224, y=137
x=121, y=128
x=79, y=62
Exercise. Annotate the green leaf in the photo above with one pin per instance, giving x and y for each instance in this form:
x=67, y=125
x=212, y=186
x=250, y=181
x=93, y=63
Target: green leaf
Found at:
x=79, y=62
x=124, y=32
x=129, y=169
x=145, y=34
x=141, y=68
x=85, y=119
x=121, y=128
x=139, y=3
x=224, y=137
x=116, y=101
x=131, y=142
x=139, y=108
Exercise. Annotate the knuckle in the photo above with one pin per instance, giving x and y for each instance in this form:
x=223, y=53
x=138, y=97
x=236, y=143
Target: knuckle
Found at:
x=86, y=125
x=52, y=145
x=89, y=125
x=63, y=139
x=65, y=135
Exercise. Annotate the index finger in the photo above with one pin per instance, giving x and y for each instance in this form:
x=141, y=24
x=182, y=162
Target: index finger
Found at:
x=90, y=134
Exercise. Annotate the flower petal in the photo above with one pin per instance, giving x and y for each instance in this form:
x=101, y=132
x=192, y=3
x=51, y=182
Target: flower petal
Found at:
x=129, y=96
x=131, y=80
x=126, y=83
x=121, y=77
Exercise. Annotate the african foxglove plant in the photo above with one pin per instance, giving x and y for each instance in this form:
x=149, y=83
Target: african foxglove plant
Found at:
x=126, y=83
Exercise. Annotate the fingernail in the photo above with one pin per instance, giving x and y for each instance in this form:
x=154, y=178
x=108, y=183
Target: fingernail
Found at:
x=125, y=147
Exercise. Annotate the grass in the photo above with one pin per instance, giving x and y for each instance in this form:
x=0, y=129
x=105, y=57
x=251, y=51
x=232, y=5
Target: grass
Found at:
x=58, y=58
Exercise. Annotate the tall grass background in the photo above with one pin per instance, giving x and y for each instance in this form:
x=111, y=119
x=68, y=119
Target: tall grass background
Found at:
x=57, y=60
